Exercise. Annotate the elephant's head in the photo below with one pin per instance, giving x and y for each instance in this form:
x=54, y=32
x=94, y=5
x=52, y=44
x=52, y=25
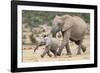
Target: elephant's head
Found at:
x=61, y=23
x=41, y=42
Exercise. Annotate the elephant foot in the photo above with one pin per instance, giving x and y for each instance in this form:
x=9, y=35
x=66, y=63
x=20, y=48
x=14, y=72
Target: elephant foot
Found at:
x=42, y=56
x=78, y=53
x=58, y=54
x=50, y=55
x=55, y=56
x=84, y=49
x=69, y=54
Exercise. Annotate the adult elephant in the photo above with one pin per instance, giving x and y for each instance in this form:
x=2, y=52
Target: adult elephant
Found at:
x=73, y=28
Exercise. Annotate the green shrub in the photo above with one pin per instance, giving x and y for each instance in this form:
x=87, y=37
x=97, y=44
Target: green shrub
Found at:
x=33, y=39
x=36, y=18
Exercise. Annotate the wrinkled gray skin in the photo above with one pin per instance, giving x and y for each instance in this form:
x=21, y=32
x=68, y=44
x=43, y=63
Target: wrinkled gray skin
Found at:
x=73, y=28
x=51, y=44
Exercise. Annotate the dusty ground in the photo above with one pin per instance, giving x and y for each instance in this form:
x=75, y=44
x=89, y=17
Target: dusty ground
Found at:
x=29, y=56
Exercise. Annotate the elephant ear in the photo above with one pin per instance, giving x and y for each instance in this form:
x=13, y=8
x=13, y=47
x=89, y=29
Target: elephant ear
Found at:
x=68, y=22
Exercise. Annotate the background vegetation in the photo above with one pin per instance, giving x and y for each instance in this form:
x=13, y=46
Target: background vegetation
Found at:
x=35, y=18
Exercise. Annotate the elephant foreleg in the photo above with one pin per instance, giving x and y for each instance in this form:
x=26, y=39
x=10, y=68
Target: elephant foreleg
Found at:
x=44, y=53
x=68, y=49
x=65, y=42
x=47, y=48
x=60, y=49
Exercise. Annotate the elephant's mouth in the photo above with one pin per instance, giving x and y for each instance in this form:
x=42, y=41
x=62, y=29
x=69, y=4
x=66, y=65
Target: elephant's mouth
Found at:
x=54, y=34
x=54, y=31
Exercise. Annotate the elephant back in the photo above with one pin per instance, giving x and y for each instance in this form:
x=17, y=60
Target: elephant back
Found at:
x=79, y=28
x=79, y=23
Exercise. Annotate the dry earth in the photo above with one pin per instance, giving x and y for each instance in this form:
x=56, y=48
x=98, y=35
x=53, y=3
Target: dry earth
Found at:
x=29, y=56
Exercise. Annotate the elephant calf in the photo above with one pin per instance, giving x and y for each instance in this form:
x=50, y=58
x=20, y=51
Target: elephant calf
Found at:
x=51, y=44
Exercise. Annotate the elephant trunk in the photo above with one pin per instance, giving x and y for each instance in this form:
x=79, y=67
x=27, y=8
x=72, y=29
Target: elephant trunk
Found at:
x=54, y=34
x=37, y=46
x=53, y=31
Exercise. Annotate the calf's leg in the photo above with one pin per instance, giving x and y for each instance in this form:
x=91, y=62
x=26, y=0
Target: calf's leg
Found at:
x=48, y=53
x=47, y=48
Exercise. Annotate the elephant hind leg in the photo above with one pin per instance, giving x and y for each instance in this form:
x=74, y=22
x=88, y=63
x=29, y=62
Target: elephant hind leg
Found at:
x=64, y=44
x=79, y=50
x=48, y=53
x=83, y=48
x=80, y=46
x=54, y=52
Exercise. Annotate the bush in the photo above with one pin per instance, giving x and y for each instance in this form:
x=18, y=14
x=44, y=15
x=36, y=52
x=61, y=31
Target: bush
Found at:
x=36, y=18
x=32, y=38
